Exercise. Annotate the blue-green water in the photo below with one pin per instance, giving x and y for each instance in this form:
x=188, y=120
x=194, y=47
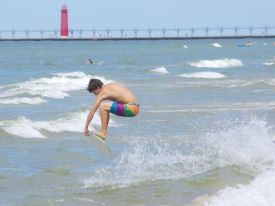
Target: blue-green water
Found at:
x=206, y=123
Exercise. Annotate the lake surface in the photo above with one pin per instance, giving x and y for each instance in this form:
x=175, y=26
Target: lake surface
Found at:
x=204, y=135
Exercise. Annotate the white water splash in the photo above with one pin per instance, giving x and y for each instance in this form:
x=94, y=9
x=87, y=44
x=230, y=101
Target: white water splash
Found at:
x=249, y=145
x=246, y=143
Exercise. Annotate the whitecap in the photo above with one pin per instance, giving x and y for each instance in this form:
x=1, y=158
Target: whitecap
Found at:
x=217, y=63
x=271, y=82
x=203, y=75
x=161, y=70
x=23, y=100
x=268, y=63
x=216, y=45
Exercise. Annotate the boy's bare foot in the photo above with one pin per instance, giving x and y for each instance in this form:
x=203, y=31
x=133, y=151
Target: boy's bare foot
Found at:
x=101, y=136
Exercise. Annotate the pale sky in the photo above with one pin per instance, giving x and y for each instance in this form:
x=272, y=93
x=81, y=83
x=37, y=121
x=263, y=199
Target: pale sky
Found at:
x=129, y=14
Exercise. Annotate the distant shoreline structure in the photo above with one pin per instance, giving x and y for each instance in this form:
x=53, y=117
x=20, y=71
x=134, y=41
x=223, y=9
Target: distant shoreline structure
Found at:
x=139, y=38
x=139, y=34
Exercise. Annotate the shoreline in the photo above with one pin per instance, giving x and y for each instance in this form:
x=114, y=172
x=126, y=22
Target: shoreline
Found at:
x=140, y=38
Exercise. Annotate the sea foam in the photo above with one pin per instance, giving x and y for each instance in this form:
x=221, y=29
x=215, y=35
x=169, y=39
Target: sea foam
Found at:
x=57, y=87
x=70, y=122
x=217, y=63
x=203, y=75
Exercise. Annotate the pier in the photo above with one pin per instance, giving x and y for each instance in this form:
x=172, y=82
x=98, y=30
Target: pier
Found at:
x=139, y=34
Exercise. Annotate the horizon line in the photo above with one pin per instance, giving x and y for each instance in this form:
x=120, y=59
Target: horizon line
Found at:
x=140, y=38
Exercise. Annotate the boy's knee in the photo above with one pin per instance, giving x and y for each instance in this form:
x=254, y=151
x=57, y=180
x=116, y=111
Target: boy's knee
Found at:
x=103, y=106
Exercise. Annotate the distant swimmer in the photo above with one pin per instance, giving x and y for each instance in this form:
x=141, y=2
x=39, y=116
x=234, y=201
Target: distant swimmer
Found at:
x=89, y=61
x=247, y=44
x=273, y=43
x=110, y=98
x=250, y=44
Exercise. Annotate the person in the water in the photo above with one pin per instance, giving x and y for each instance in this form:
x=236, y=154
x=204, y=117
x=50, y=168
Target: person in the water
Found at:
x=89, y=61
x=110, y=98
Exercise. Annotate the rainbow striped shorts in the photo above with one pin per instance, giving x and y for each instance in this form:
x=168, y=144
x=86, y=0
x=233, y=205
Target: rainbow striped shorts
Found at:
x=125, y=110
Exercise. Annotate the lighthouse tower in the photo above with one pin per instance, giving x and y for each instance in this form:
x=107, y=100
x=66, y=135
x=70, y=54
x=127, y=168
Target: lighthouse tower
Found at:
x=64, y=22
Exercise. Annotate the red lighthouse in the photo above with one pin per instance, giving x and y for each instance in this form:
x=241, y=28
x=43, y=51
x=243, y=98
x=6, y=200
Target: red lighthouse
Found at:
x=64, y=22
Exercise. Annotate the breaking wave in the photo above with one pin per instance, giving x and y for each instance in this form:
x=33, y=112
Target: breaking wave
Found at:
x=245, y=143
x=26, y=128
x=34, y=91
x=259, y=192
x=203, y=75
x=251, y=147
x=217, y=63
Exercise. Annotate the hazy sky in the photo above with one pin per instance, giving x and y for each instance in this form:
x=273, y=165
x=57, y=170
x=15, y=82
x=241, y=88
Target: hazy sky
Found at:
x=102, y=14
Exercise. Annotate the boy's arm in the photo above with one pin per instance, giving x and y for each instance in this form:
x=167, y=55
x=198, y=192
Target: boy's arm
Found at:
x=92, y=111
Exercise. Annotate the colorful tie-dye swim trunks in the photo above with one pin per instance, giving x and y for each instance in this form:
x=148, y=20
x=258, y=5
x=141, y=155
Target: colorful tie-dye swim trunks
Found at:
x=125, y=110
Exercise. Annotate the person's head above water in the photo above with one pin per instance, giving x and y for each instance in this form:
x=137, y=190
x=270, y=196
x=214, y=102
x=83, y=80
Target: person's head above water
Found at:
x=94, y=86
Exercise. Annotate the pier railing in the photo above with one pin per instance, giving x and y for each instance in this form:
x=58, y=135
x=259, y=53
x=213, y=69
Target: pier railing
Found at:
x=150, y=33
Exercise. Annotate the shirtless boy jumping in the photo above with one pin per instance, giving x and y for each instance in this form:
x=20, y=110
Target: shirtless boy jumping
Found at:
x=112, y=97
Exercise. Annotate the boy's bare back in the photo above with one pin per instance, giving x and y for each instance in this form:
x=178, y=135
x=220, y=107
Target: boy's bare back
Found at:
x=117, y=92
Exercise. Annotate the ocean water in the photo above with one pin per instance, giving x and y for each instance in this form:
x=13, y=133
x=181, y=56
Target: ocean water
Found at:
x=205, y=134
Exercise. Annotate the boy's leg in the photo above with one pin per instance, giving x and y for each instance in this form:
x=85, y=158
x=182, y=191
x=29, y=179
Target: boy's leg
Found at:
x=105, y=116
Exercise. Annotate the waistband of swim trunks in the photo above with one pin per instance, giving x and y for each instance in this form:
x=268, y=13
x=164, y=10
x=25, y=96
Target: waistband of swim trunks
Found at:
x=134, y=103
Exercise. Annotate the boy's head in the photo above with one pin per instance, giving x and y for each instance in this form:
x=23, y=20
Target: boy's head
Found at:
x=94, y=86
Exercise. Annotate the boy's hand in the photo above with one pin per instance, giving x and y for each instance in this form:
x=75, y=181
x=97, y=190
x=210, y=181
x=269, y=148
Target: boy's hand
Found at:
x=86, y=132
